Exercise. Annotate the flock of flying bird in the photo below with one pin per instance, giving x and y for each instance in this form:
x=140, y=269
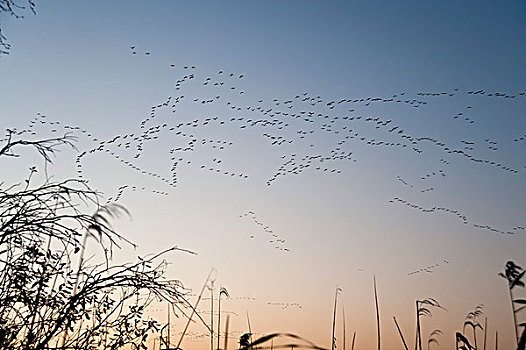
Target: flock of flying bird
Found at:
x=273, y=238
x=160, y=310
x=311, y=132
x=430, y=268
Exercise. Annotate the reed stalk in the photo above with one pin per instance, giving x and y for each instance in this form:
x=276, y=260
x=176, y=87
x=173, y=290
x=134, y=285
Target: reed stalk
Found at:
x=344, y=335
x=194, y=309
x=333, y=343
x=400, y=332
x=377, y=314
x=168, y=331
x=226, y=332
x=418, y=332
x=212, y=315
x=222, y=291
x=485, y=332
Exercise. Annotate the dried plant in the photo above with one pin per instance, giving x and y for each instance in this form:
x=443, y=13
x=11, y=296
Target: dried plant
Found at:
x=423, y=308
x=433, y=338
x=333, y=338
x=462, y=343
x=513, y=273
x=50, y=295
x=471, y=321
x=303, y=344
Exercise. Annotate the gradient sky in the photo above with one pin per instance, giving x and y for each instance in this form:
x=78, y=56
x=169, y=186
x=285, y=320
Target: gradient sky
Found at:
x=72, y=62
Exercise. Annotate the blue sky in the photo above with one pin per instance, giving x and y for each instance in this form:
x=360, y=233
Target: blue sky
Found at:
x=73, y=63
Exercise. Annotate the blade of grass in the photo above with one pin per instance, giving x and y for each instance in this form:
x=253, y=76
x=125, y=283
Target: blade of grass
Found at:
x=485, y=331
x=334, y=317
x=226, y=332
x=343, y=313
x=400, y=332
x=193, y=309
x=377, y=314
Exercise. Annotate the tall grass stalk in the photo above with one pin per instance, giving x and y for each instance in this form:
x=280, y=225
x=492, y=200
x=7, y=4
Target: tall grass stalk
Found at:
x=418, y=341
x=249, y=329
x=400, y=332
x=424, y=311
x=377, y=314
x=471, y=320
x=333, y=343
x=353, y=338
x=344, y=335
x=514, y=317
x=222, y=291
x=168, y=331
x=194, y=309
x=485, y=331
x=513, y=275
x=226, y=331
x=212, y=315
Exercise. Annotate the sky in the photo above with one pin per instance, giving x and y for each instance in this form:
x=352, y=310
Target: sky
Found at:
x=291, y=167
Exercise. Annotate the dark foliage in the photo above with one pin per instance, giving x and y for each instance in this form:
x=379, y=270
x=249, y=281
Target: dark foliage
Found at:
x=50, y=294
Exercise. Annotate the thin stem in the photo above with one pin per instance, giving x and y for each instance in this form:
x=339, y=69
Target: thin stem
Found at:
x=226, y=332
x=334, y=318
x=418, y=332
x=343, y=313
x=475, y=336
x=377, y=314
x=212, y=316
x=400, y=332
x=168, y=334
x=249, y=330
x=218, y=319
x=485, y=331
x=193, y=309
x=514, y=318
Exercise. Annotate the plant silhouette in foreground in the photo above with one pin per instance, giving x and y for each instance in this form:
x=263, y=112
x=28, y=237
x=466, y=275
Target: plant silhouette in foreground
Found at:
x=423, y=308
x=433, y=338
x=300, y=343
x=513, y=273
x=333, y=338
x=462, y=343
x=50, y=293
x=471, y=321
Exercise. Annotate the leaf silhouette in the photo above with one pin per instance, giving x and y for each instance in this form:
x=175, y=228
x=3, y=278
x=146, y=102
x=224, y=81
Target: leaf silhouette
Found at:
x=512, y=274
x=517, y=280
x=522, y=341
x=472, y=324
x=462, y=338
x=268, y=337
